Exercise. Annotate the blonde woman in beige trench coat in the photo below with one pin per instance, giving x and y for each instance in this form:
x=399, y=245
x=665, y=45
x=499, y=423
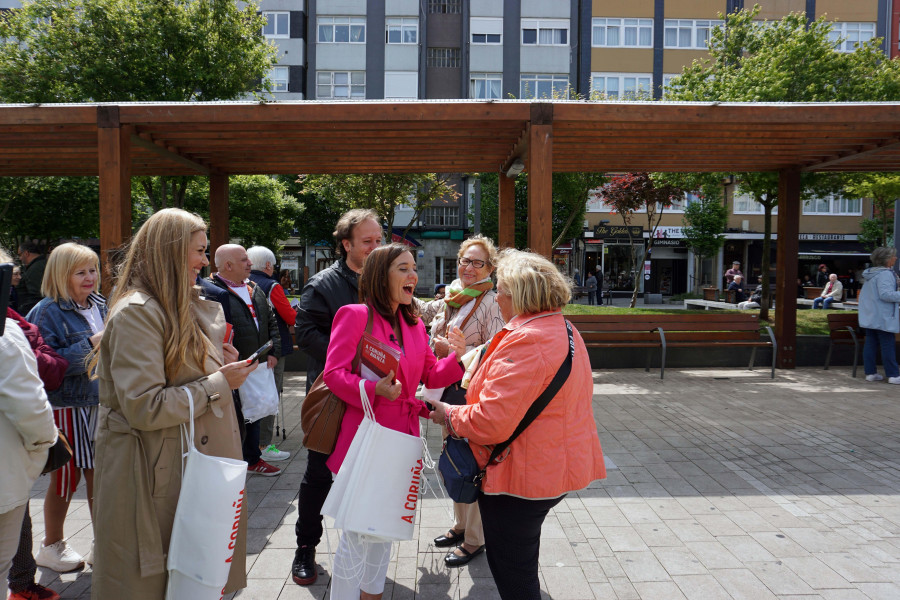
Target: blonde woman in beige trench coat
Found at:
x=138, y=457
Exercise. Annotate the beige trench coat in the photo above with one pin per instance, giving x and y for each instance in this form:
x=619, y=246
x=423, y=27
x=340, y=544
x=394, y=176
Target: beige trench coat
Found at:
x=137, y=465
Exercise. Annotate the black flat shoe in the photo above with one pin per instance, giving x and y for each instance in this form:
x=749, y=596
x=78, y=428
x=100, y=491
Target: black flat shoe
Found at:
x=454, y=560
x=445, y=541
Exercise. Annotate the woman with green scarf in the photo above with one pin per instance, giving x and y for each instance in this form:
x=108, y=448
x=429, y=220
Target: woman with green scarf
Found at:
x=470, y=304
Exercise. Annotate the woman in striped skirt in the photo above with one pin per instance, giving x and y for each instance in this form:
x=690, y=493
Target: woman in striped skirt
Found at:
x=70, y=318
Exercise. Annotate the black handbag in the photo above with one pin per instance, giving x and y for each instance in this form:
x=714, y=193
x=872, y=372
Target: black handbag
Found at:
x=454, y=394
x=60, y=453
x=457, y=465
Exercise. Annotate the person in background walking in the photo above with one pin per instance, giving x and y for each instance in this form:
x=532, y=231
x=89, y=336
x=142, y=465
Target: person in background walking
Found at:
x=591, y=284
x=357, y=234
x=599, y=286
x=879, y=315
x=577, y=277
x=262, y=271
x=731, y=273
x=822, y=276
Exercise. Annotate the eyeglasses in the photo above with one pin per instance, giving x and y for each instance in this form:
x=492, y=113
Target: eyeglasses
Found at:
x=465, y=262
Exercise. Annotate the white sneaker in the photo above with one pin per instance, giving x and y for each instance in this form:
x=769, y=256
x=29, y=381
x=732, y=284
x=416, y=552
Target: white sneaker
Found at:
x=59, y=557
x=875, y=377
x=271, y=453
x=894, y=380
x=89, y=557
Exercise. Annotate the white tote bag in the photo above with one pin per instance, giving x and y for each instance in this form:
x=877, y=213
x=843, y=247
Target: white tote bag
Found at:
x=259, y=394
x=206, y=521
x=376, y=490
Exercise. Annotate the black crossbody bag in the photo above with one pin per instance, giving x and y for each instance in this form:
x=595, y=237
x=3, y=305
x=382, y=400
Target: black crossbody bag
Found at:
x=457, y=465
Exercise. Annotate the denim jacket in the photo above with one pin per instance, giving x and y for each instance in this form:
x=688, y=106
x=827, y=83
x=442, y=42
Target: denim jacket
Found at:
x=65, y=330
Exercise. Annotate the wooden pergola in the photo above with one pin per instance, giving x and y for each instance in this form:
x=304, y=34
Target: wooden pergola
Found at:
x=118, y=141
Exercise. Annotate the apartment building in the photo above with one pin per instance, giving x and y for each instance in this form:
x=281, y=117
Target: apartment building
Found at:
x=636, y=48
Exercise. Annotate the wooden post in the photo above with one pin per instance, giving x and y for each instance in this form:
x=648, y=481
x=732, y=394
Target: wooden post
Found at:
x=114, y=158
x=540, y=179
x=786, y=267
x=218, y=214
x=507, y=212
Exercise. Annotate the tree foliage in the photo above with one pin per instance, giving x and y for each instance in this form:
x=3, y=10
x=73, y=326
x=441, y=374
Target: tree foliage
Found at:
x=381, y=192
x=631, y=192
x=884, y=190
x=790, y=60
x=48, y=208
x=132, y=50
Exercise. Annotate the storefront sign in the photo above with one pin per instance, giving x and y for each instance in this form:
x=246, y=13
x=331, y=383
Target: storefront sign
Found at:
x=618, y=232
x=668, y=233
x=830, y=237
x=290, y=263
x=669, y=243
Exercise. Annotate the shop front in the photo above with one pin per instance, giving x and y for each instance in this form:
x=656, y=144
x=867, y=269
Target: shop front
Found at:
x=840, y=253
x=617, y=254
x=668, y=263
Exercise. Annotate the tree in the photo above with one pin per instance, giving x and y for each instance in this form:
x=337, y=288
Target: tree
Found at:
x=131, y=50
x=381, y=192
x=630, y=192
x=48, y=208
x=791, y=60
x=884, y=190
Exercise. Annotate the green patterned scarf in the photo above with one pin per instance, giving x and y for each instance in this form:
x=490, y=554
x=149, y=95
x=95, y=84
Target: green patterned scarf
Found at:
x=456, y=297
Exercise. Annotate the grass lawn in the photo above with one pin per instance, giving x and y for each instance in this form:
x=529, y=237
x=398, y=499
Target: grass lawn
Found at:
x=809, y=322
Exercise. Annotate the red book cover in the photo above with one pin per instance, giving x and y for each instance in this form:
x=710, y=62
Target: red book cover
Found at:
x=229, y=333
x=378, y=358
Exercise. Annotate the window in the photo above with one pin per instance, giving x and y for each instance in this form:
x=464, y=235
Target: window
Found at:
x=486, y=30
x=846, y=36
x=744, y=204
x=687, y=33
x=445, y=7
x=443, y=57
x=539, y=85
x=624, y=86
x=401, y=31
x=485, y=86
x=279, y=77
x=341, y=84
x=545, y=32
x=667, y=80
x=445, y=268
x=401, y=84
x=278, y=25
x=441, y=216
x=622, y=33
x=833, y=205
x=342, y=30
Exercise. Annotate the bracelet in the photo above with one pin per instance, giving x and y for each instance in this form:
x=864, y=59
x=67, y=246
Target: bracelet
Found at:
x=447, y=422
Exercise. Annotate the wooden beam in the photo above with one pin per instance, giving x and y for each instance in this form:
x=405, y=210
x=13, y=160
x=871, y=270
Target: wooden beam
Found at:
x=114, y=165
x=148, y=144
x=788, y=246
x=540, y=179
x=218, y=213
x=860, y=152
x=520, y=149
x=506, y=235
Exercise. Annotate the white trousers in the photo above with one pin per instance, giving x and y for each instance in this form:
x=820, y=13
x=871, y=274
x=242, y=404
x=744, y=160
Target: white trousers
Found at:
x=359, y=564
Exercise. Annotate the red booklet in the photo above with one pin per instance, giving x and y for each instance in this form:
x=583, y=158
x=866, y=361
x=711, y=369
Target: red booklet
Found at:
x=378, y=358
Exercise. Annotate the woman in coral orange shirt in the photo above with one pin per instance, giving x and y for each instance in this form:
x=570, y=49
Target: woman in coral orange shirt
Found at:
x=559, y=452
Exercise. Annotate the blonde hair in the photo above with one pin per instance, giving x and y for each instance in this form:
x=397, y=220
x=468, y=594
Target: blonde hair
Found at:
x=156, y=263
x=486, y=244
x=533, y=282
x=62, y=262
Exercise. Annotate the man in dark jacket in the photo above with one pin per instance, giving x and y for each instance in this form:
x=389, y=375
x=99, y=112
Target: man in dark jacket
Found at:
x=357, y=233
x=262, y=271
x=33, y=264
x=253, y=321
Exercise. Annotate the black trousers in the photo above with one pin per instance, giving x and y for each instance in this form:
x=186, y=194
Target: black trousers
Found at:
x=512, y=537
x=313, y=491
x=23, y=569
x=251, y=449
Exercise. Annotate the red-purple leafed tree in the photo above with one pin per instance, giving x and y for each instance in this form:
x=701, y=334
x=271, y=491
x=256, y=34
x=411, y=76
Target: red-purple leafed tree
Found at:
x=631, y=192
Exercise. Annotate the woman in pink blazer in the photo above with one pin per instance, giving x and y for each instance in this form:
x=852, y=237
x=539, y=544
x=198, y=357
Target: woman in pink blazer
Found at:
x=387, y=285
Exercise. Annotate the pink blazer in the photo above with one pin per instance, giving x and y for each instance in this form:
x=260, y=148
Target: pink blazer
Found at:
x=417, y=364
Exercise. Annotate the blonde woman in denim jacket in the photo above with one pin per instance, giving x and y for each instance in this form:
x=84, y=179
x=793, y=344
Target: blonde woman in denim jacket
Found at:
x=71, y=320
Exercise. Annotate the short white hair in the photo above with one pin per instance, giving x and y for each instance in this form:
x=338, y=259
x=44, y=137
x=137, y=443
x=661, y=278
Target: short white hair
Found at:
x=741, y=277
x=259, y=256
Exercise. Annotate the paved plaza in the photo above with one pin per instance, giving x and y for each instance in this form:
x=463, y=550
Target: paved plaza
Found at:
x=722, y=484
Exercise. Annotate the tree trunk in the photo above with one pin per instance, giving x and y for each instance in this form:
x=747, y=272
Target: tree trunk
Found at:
x=640, y=274
x=766, y=262
x=565, y=228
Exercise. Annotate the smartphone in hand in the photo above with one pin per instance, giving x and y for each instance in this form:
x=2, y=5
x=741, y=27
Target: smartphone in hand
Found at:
x=262, y=350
